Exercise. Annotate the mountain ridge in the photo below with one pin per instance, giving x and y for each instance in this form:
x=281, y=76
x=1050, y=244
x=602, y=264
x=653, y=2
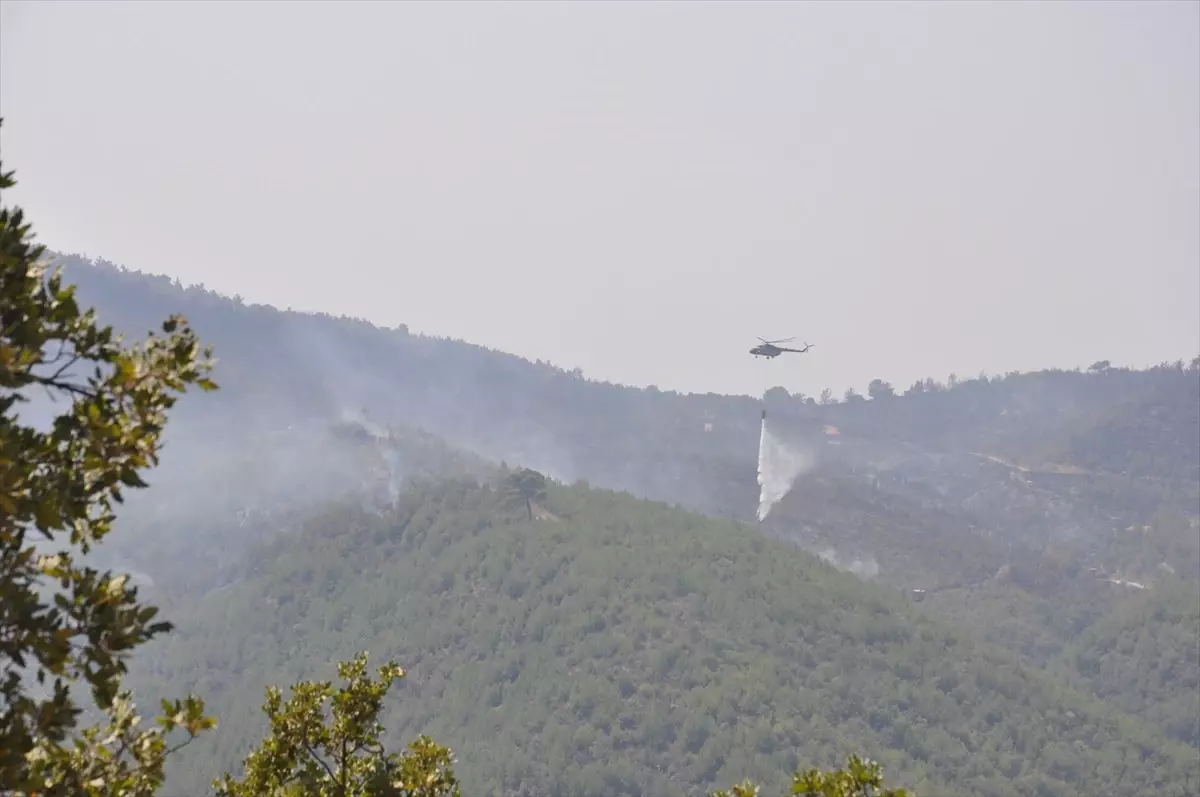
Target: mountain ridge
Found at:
x=280, y=366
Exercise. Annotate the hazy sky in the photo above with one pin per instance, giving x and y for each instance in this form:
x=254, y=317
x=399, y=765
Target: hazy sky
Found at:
x=639, y=189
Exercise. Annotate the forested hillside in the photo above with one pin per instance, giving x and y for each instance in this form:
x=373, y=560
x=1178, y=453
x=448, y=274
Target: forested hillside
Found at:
x=213, y=502
x=280, y=367
x=1054, y=515
x=617, y=646
x=1153, y=434
x=1141, y=658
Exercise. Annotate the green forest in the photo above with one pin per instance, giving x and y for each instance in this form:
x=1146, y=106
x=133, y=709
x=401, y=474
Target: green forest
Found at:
x=989, y=586
x=618, y=646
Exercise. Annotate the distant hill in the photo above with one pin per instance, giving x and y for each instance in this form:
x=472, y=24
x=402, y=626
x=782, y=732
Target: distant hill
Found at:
x=1133, y=423
x=281, y=367
x=1023, y=506
x=623, y=647
x=1154, y=434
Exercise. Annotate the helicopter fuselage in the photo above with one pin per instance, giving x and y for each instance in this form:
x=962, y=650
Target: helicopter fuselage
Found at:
x=769, y=348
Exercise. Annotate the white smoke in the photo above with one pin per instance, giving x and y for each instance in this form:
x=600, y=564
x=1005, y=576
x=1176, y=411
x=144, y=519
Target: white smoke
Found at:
x=392, y=460
x=360, y=418
x=868, y=568
x=778, y=468
x=395, y=473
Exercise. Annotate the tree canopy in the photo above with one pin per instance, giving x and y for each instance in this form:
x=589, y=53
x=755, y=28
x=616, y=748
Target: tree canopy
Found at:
x=526, y=486
x=326, y=743
x=859, y=778
x=63, y=624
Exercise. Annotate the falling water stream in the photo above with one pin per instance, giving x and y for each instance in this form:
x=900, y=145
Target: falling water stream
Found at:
x=778, y=468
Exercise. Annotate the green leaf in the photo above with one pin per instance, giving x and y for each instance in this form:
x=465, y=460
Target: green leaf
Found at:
x=67, y=620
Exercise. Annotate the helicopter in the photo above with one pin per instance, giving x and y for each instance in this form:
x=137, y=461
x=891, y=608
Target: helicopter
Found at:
x=769, y=348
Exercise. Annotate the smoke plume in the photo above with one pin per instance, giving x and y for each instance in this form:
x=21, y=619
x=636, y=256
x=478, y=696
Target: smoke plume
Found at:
x=867, y=568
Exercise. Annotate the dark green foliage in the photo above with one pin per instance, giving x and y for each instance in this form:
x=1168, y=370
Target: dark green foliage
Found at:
x=526, y=486
x=63, y=624
x=626, y=646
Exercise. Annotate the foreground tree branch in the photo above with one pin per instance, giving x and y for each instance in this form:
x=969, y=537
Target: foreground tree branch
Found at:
x=305, y=735
x=65, y=625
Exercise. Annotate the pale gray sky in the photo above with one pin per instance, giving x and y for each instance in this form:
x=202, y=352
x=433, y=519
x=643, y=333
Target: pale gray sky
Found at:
x=639, y=189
